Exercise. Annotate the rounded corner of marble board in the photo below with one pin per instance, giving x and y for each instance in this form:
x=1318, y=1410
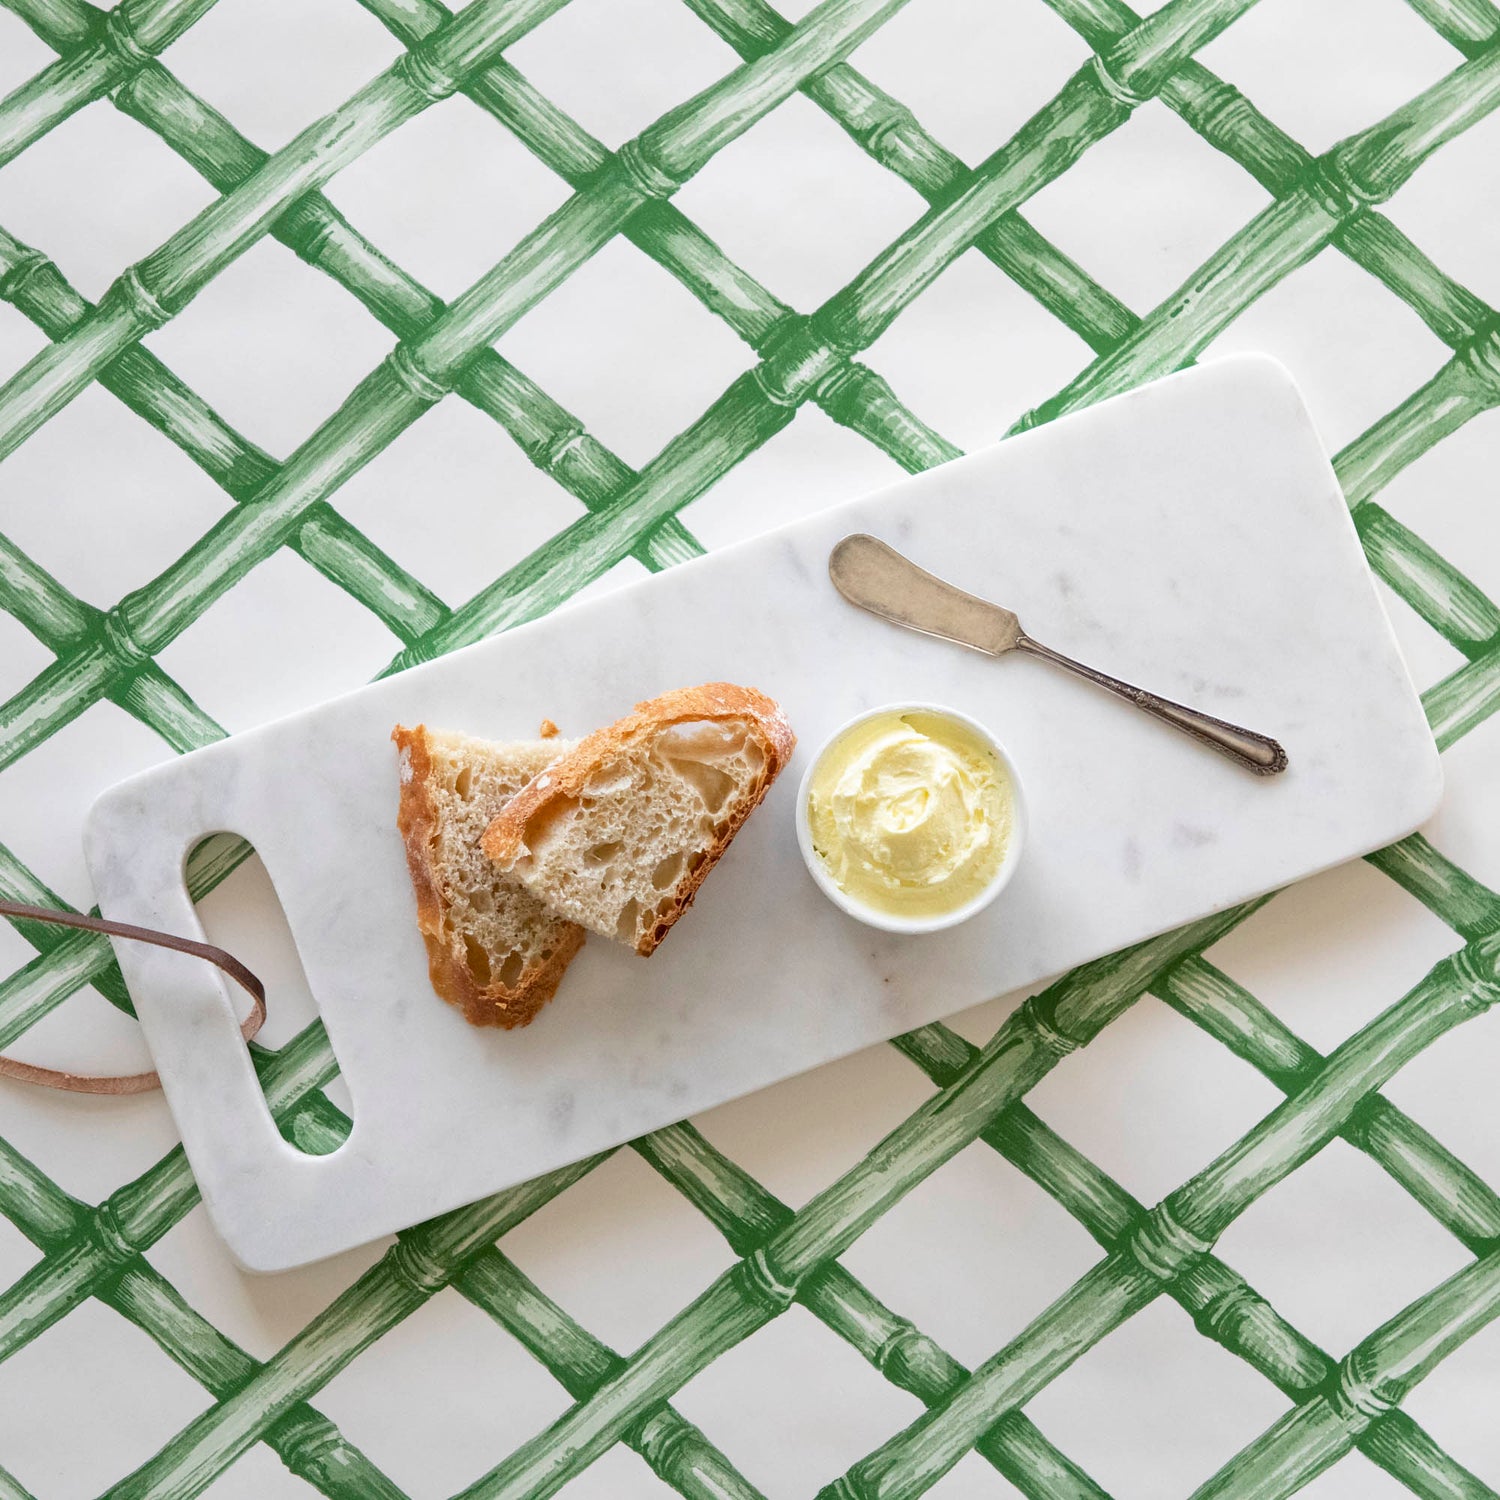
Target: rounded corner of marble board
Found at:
x=1424, y=789
x=1254, y=370
x=252, y=1255
x=114, y=813
x=1258, y=367
x=267, y=1249
x=264, y=1242
x=1417, y=796
x=1244, y=377
x=261, y=1254
x=129, y=828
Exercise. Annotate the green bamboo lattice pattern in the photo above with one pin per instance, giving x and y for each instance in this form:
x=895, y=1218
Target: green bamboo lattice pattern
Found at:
x=1338, y=1399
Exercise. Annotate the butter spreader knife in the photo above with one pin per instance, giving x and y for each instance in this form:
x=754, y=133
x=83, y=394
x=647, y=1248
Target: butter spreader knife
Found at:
x=873, y=575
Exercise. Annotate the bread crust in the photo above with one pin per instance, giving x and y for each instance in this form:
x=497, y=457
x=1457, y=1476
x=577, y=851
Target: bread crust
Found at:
x=494, y=1004
x=503, y=839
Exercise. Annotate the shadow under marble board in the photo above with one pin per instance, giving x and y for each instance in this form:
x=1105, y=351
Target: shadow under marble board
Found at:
x=1189, y=536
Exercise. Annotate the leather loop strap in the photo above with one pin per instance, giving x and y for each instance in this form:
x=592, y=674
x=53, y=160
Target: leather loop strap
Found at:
x=126, y=1083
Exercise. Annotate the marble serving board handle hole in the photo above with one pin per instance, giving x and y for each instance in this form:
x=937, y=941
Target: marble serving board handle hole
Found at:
x=242, y=912
x=873, y=575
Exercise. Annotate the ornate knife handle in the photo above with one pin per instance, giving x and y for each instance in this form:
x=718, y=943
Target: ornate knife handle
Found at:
x=1255, y=752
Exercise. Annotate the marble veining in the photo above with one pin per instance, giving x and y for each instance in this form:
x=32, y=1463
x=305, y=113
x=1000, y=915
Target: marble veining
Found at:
x=1189, y=536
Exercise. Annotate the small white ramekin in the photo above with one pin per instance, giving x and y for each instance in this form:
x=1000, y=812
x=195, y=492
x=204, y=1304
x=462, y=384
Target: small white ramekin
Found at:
x=886, y=921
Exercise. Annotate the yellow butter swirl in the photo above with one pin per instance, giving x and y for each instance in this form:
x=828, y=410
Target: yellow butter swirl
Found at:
x=910, y=813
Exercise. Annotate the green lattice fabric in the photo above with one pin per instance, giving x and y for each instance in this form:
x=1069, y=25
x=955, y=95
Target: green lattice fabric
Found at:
x=293, y=293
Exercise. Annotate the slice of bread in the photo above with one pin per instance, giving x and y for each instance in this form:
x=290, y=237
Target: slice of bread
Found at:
x=493, y=949
x=619, y=834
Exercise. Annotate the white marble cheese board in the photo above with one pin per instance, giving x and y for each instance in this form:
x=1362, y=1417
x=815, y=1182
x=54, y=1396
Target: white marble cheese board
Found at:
x=1189, y=536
